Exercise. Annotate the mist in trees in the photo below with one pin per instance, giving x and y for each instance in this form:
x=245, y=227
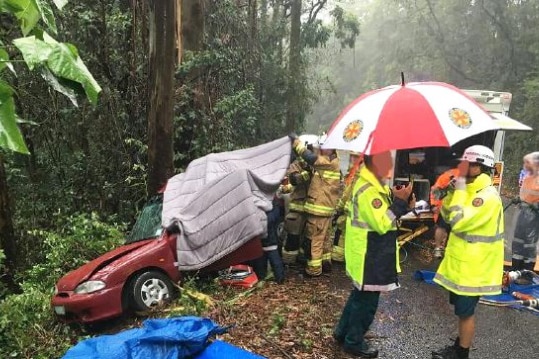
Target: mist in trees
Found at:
x=478, y=44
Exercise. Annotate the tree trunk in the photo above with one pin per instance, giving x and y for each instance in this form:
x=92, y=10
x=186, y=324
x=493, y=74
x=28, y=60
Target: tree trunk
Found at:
x=179, y=33
x=161, y=81
x=193, y=25
x=7, y=236
x=294, y=111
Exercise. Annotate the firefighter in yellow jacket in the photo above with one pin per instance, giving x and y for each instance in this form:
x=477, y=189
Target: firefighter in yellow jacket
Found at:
x=337, y=254
x=473, y=261
x=299, y=178
x=371, y=249
x=322, y=196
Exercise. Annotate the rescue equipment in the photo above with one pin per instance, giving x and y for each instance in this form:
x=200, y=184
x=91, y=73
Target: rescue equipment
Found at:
x=239, y=275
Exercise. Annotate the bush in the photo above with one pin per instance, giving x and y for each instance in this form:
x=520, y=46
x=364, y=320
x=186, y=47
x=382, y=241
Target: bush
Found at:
x=80, y=239
x=28, y=329
x=27, y=325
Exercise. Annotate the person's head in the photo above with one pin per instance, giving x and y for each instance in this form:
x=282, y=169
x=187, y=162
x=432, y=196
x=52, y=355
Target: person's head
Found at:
x=531, y=162
x=381, y=164
x=355, y=158
x=481, y=159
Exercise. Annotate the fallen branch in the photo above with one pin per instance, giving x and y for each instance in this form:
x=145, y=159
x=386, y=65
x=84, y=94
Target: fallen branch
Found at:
x=276, y=346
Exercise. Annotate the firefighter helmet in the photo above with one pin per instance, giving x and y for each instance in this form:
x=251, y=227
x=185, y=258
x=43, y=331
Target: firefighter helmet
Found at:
x=307, y=139
x=479, y=154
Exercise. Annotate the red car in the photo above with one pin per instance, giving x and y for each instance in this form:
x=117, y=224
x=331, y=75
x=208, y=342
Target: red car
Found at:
x=136, y=276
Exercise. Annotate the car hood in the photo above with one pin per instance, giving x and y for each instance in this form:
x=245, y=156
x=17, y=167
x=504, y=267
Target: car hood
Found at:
x=72, y=279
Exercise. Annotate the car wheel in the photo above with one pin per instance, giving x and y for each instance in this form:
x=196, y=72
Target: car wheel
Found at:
x=150, y=289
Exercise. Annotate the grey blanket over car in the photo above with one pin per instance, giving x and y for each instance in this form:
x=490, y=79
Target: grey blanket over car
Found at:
x=220, y=201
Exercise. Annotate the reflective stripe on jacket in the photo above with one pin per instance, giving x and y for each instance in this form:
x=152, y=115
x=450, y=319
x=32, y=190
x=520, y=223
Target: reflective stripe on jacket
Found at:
x=299, y=192
x=371, y=252
x=324, y=190
x=473, y=261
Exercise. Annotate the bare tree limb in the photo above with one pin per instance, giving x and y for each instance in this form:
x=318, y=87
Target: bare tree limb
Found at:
x=315, y=9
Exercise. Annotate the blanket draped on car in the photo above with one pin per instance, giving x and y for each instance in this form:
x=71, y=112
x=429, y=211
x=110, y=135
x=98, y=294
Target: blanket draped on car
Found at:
x=220, y=201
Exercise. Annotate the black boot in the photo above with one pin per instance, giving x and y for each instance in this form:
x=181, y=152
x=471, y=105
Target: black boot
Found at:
x=277, y=265
x=454, y=351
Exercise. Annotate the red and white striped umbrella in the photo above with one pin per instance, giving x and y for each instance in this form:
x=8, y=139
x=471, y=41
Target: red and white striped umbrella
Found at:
x=418, y=114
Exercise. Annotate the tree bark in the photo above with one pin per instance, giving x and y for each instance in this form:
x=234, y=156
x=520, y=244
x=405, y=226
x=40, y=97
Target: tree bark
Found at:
x=161, y=82
x=7, y=235
x=294, y=111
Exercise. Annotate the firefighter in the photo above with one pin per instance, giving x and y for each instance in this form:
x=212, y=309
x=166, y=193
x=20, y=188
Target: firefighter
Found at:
x=371, y=249
x=322, y=197
x=298, y=177
x=473, y=261
x=526, y=234
x=339, y=221
x=443, y=187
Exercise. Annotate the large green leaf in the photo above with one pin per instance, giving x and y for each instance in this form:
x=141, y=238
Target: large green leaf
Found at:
x=61, y=59
x=64, y=62
x=34, y=51
x=47, y=15
x=67, y=89
x=4, y=58
x=26, y=11
x=60, y=3
x=10, y=135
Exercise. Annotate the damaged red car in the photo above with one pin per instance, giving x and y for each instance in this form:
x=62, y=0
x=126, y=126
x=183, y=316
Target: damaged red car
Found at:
x=136, y=276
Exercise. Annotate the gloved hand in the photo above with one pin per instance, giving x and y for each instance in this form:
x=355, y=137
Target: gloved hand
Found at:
x=402, y=192
x=294, y=178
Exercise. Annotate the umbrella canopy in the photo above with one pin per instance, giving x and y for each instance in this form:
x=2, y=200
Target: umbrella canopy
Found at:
x=417, y=114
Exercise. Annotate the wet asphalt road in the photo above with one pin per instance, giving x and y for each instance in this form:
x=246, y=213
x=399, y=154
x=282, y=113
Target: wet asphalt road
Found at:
x=417, y=318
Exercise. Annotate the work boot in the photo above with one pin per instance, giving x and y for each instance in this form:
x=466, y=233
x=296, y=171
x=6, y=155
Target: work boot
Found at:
x=327, y=267
x=362, y=352
x=454, y=351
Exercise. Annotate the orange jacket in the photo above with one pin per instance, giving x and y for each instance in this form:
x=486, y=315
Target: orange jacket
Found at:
x=529, y=192
x=440, y=187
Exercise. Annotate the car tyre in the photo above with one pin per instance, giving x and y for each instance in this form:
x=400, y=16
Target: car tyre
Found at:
x=151, y=289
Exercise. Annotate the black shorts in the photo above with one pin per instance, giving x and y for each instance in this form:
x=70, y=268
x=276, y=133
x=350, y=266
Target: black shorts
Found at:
x=443, y=224
x=464, y=305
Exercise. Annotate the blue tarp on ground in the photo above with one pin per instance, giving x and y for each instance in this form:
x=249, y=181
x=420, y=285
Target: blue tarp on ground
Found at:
x=533, y=290
x=170, y=338
x=221, y=350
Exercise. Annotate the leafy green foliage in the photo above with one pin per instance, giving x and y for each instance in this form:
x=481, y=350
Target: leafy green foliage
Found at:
x=60, y=59
x=78, y=239
x=10, y=136
x=28, y=328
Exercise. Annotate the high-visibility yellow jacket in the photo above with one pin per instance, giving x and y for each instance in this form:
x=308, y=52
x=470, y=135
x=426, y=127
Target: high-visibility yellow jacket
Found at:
x=299, y=190
x=473, y=261
x=371, y=250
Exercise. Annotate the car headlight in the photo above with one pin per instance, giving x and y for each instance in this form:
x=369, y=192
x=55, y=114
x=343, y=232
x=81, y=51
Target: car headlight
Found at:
x=55, y=289
x=90, y=287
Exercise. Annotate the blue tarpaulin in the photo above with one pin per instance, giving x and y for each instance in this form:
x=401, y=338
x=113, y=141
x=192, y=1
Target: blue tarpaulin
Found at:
x=500, y=299
x=170, y=338
x=222, y=350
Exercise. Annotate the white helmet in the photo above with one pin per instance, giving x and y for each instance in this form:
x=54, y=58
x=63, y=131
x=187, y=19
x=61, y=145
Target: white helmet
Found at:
x=308, y=139
x=479, y=154
x=322, y=138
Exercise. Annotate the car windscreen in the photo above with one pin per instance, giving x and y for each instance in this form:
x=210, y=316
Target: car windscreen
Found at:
x=148, y=224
